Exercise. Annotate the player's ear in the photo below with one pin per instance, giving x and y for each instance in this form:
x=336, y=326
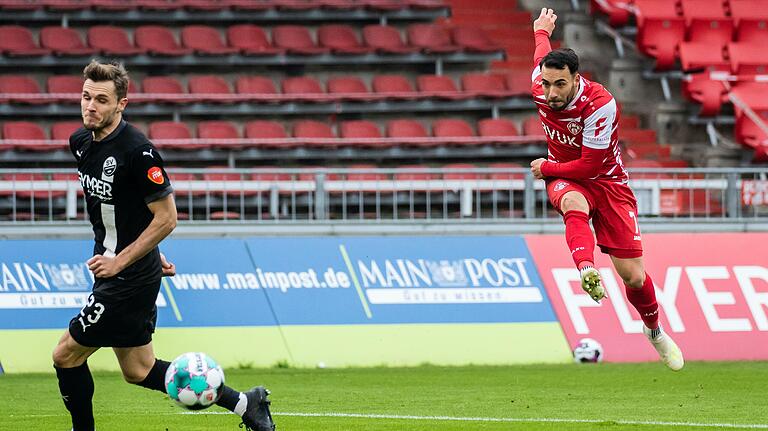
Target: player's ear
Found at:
x=122, y=103
x=576, y=78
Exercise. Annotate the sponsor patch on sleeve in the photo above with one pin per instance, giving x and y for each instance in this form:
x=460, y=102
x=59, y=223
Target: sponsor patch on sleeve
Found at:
x=155, y=175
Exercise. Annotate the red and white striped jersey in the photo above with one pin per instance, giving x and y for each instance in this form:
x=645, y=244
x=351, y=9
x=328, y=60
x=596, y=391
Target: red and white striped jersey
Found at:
x=591, y=119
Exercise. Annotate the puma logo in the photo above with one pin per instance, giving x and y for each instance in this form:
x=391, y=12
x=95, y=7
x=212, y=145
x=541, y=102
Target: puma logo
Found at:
x=148, y=153
x=78, y=153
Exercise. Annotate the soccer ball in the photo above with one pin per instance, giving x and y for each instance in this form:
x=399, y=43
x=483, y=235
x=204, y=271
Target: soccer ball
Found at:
x=588, y=350
x=194, y=380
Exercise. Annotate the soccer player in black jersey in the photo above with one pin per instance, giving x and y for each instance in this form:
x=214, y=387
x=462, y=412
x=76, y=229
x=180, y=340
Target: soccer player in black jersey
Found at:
x=131, y=208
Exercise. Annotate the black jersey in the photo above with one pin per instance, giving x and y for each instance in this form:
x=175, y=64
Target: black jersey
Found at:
x=120, y=175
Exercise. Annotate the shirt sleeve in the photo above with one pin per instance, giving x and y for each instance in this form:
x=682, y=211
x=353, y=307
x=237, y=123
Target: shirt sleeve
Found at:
x=585, y=167
x=599, y=126
x=149, y=174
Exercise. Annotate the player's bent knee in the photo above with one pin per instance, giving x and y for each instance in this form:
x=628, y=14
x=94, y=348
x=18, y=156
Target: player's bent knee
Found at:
x=136, y=375
x=634, y=280
x=574, y=201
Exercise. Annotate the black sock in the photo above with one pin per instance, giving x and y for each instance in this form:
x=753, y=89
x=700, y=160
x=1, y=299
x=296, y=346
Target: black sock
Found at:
x=229, y=398
x=76, y=387
x=156, y=377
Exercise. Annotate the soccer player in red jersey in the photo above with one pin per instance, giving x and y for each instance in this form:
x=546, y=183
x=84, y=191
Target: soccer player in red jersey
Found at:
x=585, y=179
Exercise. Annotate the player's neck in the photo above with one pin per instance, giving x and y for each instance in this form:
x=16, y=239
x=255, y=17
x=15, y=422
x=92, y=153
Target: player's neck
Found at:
x=103, y=133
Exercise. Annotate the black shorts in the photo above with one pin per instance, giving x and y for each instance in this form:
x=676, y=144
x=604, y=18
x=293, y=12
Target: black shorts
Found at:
x=107, y=322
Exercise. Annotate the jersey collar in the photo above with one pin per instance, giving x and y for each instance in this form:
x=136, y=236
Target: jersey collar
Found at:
x=115, y=132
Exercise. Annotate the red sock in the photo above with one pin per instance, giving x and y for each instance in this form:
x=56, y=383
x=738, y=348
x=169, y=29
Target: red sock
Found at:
x=579, y=237
x=644, y=300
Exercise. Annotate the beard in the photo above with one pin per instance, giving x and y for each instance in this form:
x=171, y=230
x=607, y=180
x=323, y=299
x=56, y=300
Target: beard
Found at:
x=98, y=125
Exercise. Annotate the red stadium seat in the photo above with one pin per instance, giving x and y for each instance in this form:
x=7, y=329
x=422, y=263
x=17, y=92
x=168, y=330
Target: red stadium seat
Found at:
x=26, y=131
x=638, y=136
x=431, y=38
x=67, y=87
x=707, y=22
x=266, y=129
x=111, y=5
x=753, y=94
x=748, y=58
x=25, y=89
x=440, y=86
x=296, y=39
x=505, y=175
x=205, y=40
x=211, y=88
x=303, y=88
x=406, y=128
x=453, y=128
x=748, y=133
x=18, y=41
x=519, y=82
x=751, y=19
x=489, y=127
x=340, y=39
x=204, y=5
x=173, y=131
x=473, y=39
x=64, y=41
x=417, y=173
x=112, y=40
x=386, y=39
x=347, y=88
x=702, y=56
x=617, y=11
x=260, y=87
x=484, y=84
x=394, y=87
x=250, y=40
x=62, y=130
x=659, y=31
x=532, y=127
x=160, y=88
x=159, y=40
x=350, y=130
x=215, y=129
x=312, y=130
x=710, y=94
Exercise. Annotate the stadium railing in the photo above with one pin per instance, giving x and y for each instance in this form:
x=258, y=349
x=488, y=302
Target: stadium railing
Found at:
x=363, y=195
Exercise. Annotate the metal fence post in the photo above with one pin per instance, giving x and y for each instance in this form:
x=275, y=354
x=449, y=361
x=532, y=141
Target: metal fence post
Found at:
x=529, y=197
x=734, y=196
x=320, y=196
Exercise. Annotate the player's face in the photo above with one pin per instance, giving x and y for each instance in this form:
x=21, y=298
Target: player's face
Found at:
x=559, y=86
x=100, y=106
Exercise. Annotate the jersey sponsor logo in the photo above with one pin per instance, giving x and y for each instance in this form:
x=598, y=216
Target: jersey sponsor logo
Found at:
x=155, y=175
x=95, y=187
x=560, y=185
x=542, y=113
x=108, y=171
x=555, y=135
x=599, y=125
x=574, y=127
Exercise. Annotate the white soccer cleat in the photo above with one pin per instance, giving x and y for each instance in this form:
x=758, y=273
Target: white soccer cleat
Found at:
x=670, y=354
x=591, y=283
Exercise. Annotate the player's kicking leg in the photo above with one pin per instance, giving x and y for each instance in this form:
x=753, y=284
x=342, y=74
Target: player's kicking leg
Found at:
x=70, y=359
x=641, y=294
x=140, y=367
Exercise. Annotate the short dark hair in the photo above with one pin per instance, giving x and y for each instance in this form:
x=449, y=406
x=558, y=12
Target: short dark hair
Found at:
x=560, y=59
x=111, y=71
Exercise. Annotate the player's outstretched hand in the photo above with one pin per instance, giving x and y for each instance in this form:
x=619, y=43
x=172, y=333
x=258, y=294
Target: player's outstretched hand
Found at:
x=169, y=269
x=545, y=21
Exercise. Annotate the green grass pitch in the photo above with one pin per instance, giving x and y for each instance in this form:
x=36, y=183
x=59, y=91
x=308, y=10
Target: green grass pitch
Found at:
x=704, y=396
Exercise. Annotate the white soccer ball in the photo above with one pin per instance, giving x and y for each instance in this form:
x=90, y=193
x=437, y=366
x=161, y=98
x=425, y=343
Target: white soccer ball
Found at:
x=588, y=350
x=194, y=380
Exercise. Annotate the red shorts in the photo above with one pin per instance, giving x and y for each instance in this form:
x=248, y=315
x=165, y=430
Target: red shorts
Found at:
x=613, y=209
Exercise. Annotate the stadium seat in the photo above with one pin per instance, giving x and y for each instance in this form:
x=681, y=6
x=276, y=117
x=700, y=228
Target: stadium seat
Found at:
x=261, y=88
x=617, y=11
x=505, y=175
x=753, y=94
x=218, y=131
x=18, y=41
x=748, y=133
x=110, y=40
x=409, y=132
x=312, y=130
x=62, y=130
x=659, y=31
x=26, y=131
x=440, y=86
x=250, y=40
x=205, y=40
x=25, y=89
x=296, y=39
x=461, y=175
x=65, y=88
x=386, y=40
x=431, y=38
x=111, y=5
x=303, y=88
x=64, y=41
x=751, y=20
x=473, y=39
x=231, y=186
x=489, y=127
x=638, y=136
x=532, y=127
x=748, y=58
x=417, y=173
x=447, y=128
x=355, y=129
x=484, y=85
x=267, y=130
x=519, y=82
x=211, y=88
x=394, y=87
x=706, y=22
x=160, y=131
x=347, y=88
x=340, y=39
x=697, y=56
x=164, y=88
x=710, y=94
x=159, y=40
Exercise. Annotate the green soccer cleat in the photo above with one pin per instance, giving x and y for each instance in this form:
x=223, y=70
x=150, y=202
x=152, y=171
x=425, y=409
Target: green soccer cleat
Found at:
x=591, y=283
x=669, y=353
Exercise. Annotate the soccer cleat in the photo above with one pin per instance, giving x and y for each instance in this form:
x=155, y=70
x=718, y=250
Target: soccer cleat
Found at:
x=670, y=354
x=257, y=416
x=591, y=283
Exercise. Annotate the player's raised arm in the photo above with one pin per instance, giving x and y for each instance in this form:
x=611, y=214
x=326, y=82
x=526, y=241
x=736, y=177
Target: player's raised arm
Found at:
x=543, y=27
